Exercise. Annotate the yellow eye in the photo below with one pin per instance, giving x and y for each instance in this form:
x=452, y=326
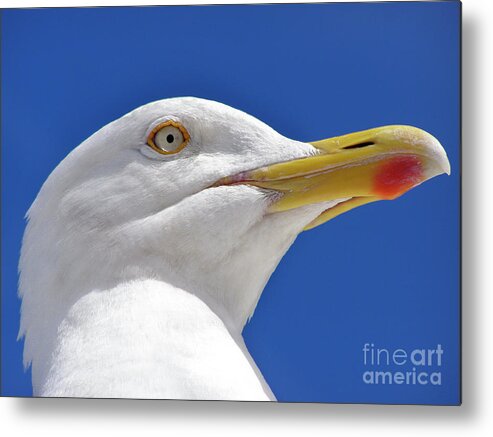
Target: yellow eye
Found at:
x=168, y=137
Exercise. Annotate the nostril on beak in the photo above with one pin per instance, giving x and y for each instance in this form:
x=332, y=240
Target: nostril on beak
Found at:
x=359, y=145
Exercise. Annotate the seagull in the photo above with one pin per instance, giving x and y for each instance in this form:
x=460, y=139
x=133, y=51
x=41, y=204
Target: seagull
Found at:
x=148, y=247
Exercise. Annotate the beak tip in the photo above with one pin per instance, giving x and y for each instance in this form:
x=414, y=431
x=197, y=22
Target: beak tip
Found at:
x=433, y=148
x=441, y=159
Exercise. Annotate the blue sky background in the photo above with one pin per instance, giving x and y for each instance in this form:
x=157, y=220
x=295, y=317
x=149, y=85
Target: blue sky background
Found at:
x=386, y=273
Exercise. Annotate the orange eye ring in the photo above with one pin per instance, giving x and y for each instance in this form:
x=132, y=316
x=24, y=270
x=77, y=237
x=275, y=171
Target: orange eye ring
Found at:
x=159, y=127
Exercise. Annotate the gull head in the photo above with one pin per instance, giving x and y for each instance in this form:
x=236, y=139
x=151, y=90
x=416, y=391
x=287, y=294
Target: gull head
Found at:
x=205, y=197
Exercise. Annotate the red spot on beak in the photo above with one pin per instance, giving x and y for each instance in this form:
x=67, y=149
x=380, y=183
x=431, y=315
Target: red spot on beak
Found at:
x=397, y=175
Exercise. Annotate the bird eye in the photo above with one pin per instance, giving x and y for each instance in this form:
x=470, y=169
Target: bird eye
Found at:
x=168, y=137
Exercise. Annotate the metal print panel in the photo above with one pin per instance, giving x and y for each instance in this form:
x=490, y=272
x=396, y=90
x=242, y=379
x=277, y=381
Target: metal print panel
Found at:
x=251, y=203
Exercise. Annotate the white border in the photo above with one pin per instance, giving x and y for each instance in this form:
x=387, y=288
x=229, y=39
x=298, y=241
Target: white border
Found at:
x=52, y=417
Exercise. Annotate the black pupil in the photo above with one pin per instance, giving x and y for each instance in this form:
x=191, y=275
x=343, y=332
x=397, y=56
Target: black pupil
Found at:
x=170, y=138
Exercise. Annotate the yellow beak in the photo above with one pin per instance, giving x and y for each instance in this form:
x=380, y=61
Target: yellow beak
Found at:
x=352, y=170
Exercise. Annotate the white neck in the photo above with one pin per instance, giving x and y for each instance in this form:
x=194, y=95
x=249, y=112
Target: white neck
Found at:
x=148, y=339
x=96, y=324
